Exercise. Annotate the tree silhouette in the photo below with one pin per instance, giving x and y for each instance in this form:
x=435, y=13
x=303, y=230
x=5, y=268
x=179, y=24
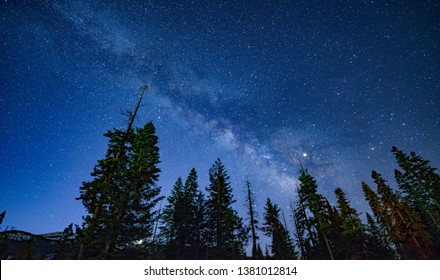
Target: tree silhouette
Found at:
x=398, y=219
x=121, y=197
x=313, y=215
x=184, y=220
x=419, y=185
x=281, y=247
x=250, y=200
x=350, y=232
x=226, y=233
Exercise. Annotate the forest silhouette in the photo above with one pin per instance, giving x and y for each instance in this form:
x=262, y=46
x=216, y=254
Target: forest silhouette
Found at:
x=125, y=219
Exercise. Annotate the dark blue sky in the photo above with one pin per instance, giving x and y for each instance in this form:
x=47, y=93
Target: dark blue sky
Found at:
x=260, y=84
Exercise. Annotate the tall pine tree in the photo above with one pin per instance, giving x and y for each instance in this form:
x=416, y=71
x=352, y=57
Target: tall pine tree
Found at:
x=313, y=213
x=377, y=244
x=352, y=235
x=171, y=216
x=121, y=198
x=227, y=235
x=419, y=185
x=399, y=220
x=184, y=220
x=282, y=248
x=197, y=220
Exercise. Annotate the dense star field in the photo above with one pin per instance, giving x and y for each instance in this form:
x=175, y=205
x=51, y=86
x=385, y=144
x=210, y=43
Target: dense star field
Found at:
x=263, y=85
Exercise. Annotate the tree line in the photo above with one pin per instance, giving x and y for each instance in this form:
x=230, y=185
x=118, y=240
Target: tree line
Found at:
x=403, y=223
x=125, y=218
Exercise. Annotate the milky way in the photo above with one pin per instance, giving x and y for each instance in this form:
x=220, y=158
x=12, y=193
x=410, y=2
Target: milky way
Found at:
x=264, y=85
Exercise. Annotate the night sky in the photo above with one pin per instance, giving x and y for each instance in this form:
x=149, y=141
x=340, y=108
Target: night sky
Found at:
x=261, y=84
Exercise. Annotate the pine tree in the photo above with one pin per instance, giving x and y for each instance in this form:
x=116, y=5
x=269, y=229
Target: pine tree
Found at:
x=200, y=228
x=419, y=185
x=121, y=198
x=419, y=180
x=303, y=234
x=184, y=220
x=290, y=242
x=351, y=234
x=281, y=247
x=377, y=244
x=314, y=211
x=379, y=229
x=374, y=202
x=399, y=220
x=196, y=217
x=225, y=228
x=140, y=195
x=171, y=216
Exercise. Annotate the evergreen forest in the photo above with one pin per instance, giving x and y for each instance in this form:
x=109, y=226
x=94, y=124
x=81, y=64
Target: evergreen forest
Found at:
x=128, y=217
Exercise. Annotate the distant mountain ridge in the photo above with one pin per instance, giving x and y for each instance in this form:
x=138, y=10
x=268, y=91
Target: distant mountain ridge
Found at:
x=18, y=244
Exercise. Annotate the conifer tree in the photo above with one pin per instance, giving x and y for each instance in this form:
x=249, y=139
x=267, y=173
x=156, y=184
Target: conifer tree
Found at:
x=351, y=224
x=419, y=184
x=378, y=228
x=290, y=242
x=399, y=220
x=314, y=211
x=171, y=217
x=303, y=238
x=351, y=235
x=226, y=232
x=281, y=247
x=136, y=213
x=200, y=228
x=184, y=220
x=196, y=216
x=120, y=200
x=418, y=180
x=377, y=245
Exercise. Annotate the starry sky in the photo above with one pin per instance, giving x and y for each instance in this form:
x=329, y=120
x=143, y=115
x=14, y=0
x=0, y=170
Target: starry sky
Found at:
x=261, y=84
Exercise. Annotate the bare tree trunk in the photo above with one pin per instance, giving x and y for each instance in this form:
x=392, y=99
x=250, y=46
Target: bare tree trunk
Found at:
x=251, y=214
